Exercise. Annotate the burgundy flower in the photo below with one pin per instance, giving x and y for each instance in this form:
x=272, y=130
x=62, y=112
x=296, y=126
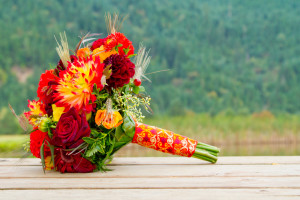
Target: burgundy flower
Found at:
x=74, y=163
x=98, y=43
x=70, y=130
x=122, y=70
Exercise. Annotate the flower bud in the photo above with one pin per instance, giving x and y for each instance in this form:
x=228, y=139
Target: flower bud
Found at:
x=137, y=82
x=45, y=124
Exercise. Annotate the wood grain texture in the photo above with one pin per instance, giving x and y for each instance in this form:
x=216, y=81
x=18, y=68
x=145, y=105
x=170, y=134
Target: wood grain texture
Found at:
x=237, y=160
x=151, y=194
x=126, y=171
x=152, y=183
x=152, y=178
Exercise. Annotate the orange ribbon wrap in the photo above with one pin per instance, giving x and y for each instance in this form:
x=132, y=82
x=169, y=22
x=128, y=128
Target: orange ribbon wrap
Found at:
x=163, y=140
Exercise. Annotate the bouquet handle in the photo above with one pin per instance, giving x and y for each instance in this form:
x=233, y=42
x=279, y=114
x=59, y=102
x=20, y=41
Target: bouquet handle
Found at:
x=169, y=142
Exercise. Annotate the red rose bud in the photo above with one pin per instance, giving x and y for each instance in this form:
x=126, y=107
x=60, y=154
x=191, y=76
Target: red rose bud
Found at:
x=137, y=82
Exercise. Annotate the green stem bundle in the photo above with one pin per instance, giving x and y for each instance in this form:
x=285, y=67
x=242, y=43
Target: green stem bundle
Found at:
x=206, y=152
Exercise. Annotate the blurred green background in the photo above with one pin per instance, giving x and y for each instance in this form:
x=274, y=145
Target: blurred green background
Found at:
x=234, y=78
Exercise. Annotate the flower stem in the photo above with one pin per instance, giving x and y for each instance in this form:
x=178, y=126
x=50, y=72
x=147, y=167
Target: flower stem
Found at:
x=206, y=152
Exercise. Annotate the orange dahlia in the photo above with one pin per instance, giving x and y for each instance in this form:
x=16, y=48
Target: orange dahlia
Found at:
x=75, y=85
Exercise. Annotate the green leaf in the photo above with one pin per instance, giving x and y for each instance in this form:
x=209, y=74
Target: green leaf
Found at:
x=102, y=96
x=128, y=125
x=125, y=135
x=107, y=71
x=108, y=154
x=89, y=140
x=91, y=152
x=100, y=148
x=50, y=133
x=132, y=55
x=52, y=153
x=42, y=156
x=94, y=132
x=117, y=47
x=126, y=50
x=95, y=89
x=119, y=132
x=136, y=89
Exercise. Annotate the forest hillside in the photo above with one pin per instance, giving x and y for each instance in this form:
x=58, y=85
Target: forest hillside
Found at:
x=232, y=57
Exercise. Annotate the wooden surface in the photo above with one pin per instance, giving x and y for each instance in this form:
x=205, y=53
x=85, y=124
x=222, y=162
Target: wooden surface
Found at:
x=174, y=178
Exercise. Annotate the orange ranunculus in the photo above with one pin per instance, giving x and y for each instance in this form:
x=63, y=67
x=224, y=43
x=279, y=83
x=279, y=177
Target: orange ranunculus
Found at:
x=108, y=120
x=83, y=52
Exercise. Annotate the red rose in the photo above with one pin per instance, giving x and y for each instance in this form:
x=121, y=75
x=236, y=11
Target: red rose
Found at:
x=74, y=163
x=36, y=140
x=70, y=130
x=122, y=70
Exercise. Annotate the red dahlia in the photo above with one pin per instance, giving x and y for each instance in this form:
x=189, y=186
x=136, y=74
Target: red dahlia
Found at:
x=125, y=46
x=122, y=70
x=45, y=90
x=36, y=140
x=98, y=43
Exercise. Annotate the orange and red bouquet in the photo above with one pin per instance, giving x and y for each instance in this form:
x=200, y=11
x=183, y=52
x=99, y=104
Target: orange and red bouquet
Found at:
x=88, y=107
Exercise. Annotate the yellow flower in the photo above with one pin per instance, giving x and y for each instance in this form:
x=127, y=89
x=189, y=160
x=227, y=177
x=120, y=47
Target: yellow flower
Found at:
x=57, y=112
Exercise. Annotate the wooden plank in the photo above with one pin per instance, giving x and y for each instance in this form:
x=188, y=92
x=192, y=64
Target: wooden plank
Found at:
x=151, y=183
x=150, y=194
x=237, y=160
x=162, y=171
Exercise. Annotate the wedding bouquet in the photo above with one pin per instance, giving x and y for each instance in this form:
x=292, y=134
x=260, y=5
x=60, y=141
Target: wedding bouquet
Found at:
x=89, y=106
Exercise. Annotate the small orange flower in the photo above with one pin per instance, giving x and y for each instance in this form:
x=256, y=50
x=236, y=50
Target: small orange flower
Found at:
x=83, y=52
x=102, y=53
x=48, y=163
x=108, y=120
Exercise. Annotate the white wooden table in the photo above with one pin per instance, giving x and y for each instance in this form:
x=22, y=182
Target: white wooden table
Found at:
x=246, y=178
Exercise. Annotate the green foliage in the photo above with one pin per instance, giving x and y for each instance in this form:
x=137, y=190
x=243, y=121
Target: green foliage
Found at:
x=235, y=55
x=96, y=145
x=124, y=133
x=100, y=147
x=104, y=143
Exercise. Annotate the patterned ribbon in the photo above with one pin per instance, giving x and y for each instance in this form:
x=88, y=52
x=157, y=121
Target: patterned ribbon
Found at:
x=163, y=140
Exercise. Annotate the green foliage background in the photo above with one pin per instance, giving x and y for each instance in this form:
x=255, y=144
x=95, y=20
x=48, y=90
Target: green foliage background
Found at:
x=235, y=57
